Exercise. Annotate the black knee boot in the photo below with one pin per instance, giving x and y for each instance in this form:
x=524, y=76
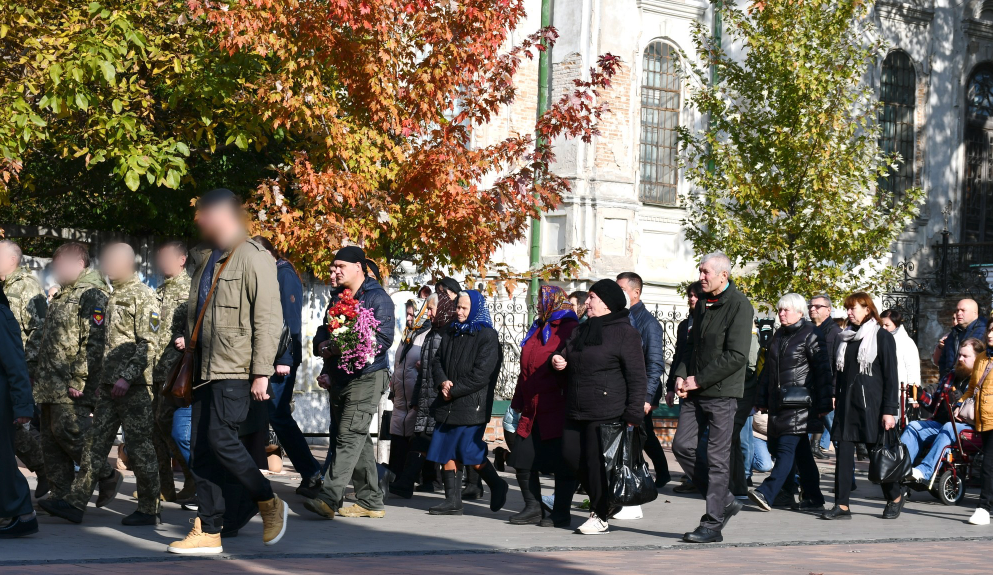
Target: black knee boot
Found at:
x=403, y=486
x=474, y=485
x=531, y=490
x=453, y=494
x=498, y=487
x=561, y=515
x=429, y=474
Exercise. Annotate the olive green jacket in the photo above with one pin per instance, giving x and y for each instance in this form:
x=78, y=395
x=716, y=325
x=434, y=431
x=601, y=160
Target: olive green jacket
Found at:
x=132, y=325
x=244, y=318
x=70, y=350
x=29, y=305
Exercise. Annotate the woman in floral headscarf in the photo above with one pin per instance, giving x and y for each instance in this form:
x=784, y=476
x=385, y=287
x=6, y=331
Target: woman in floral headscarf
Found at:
x=540, y=399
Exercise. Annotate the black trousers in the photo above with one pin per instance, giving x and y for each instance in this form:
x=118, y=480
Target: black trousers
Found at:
x=582, y=453
x=695, y=415
x=218, y=458
x=845, y=468
x=986, y=479
x=792, y=452
x=653, y=447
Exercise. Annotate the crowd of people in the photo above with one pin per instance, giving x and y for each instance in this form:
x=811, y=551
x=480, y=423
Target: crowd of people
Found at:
x=99, y=357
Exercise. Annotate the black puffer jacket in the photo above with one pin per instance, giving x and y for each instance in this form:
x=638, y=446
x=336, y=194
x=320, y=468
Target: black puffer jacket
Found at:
x=797, y=356
x=471, y=361
x=607, y=381
x=427, y=388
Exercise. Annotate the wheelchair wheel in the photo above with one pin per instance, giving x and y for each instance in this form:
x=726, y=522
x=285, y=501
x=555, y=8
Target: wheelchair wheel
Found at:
x=949, y=489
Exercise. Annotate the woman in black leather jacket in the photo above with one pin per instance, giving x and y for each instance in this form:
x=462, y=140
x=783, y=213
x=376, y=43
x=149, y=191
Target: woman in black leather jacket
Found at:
x=795, y=388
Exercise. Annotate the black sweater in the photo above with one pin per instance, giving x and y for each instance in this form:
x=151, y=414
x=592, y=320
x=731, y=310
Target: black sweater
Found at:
x=471, y=361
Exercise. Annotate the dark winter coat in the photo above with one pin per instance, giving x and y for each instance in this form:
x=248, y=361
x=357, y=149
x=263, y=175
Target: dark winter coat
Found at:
x=719, y=343
x=797, y=357
x=652, y=346
x=950, y=353
x=607, y=381
x=291, y=301
x=426, y=390
x=540, y=393
x=863, y=399
x=471, y=361
x=830, y=330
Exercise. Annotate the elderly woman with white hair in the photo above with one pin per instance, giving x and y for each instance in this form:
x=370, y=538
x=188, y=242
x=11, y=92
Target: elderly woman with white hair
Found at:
x=796, y=389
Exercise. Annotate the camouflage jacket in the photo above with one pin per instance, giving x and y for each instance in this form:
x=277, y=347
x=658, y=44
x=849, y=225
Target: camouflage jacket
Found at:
x=71, y=344
x=173, y=296
x=132, y=333
x=29, y=304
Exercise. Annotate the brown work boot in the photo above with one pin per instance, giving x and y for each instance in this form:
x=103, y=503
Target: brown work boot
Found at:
x=274, y=512
x=359, y=511
x=319, y=507
x=197, y=542
x=107, y=488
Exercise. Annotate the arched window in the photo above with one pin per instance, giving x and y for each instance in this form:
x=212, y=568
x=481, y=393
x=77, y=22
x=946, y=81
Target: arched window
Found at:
x=659, y=159
x=977, y=197
x=898, y=95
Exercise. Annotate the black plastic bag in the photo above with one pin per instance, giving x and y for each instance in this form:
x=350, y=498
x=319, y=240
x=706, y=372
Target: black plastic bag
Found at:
x=889, y=459
x=628, y=480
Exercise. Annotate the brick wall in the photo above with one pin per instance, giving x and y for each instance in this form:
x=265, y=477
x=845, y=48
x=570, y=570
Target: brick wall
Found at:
x=613, y=143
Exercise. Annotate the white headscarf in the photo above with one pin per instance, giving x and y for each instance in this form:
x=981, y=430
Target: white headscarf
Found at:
x=866, y=334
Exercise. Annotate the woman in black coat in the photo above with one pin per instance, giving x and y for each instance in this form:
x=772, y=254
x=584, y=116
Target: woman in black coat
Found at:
x=465, y=369
x=607, y=383
x=867, y=392
x=796, y=390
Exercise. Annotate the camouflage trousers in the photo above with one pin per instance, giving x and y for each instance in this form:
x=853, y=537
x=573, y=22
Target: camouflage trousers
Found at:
x=64, y=438
x=27, y=448
x=134, y=413
x=166, y=449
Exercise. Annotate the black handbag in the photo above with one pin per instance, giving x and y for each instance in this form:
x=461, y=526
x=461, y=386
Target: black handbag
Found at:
x=889, y=459
x=795, y=397
x=628, y=479
x=285, y=339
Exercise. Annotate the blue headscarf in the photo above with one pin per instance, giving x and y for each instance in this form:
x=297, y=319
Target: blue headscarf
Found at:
x=553, y=304
x=479, y=314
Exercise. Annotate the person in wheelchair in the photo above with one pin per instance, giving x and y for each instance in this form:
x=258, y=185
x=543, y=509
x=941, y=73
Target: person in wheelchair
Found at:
x=940, y=399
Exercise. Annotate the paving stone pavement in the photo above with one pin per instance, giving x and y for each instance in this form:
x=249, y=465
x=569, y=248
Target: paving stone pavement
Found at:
x=409, y=540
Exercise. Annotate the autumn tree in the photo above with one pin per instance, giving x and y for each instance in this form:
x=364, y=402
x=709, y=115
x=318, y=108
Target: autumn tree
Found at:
x=786, y=170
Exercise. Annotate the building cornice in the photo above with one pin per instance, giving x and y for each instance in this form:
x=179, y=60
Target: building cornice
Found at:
x=978, y=28
x=684, y=10
x=904, y=12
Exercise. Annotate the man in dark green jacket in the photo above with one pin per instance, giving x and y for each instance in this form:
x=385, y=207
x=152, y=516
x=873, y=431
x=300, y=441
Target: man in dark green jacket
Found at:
x=710, y=379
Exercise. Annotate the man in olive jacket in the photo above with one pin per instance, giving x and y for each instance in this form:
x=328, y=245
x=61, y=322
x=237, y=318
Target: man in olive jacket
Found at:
x=710, y=378
x=236, y=350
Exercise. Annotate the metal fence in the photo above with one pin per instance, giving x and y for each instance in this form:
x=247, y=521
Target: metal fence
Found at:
x=510, y=319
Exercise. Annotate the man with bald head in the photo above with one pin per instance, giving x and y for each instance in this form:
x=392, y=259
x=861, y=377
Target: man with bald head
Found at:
x=124, y=397
x=967, y=324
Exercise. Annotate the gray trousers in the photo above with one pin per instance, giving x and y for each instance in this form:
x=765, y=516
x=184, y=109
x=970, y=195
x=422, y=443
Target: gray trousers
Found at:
x=711, y=478
x=353, y=405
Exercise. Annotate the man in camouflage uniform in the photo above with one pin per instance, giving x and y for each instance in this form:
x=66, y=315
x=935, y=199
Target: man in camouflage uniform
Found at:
x=170, y=259
x=68, y=362
x=28, y=304
x=125, y=395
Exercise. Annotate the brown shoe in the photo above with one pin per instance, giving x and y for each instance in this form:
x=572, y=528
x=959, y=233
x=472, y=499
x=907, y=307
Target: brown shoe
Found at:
x=319, y=507
x=274, y=512
x=107, y=488
x=197, y=542
x=359, y=511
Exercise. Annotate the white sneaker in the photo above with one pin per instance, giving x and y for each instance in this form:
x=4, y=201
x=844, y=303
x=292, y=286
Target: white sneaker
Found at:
x=918, y=475
x=980, y=517
x=593, y=526
x=628, y=513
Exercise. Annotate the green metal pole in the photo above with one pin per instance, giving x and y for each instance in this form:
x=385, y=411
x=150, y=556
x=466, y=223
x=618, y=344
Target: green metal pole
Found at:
x=544, y=73
x=715, y=33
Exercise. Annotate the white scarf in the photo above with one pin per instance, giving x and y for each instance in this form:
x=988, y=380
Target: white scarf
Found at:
x=867, y=349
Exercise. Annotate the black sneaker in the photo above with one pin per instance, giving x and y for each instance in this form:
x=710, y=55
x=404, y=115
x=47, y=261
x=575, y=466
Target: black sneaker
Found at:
x=190, y=504
x=310, y=487
x=836, y=513
x=138, y=518
x=62, y=508
x=19, y=528
x=42, y=488
x=808, y=506
x=685, y=487
x=759, y=500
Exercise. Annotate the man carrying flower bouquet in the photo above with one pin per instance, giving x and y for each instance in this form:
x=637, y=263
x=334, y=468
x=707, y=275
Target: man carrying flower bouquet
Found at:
x=360, y=328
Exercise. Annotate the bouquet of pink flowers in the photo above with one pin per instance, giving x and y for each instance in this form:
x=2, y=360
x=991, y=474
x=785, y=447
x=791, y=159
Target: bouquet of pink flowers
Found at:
x=353, y=333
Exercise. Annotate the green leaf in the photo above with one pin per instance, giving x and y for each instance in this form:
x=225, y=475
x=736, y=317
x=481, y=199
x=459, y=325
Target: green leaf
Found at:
x=183, y=148
x=94, y=8
x=117, y=105
x=108, y=71
x=81, y=101
x=55, y=73
x=132, y=179
x=242, y=142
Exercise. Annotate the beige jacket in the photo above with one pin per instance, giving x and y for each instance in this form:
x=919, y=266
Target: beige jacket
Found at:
x=243, y=321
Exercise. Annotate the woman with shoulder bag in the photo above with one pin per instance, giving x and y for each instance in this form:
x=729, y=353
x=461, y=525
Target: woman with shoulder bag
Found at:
x=867, y=399
x=980, y=393
x=796, y=390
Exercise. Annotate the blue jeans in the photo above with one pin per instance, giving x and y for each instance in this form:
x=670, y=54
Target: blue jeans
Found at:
x=761, y=458
x=790, y=450
x=828, y=421
x=181, y=424
x=745, y=438
x=286, y=428
x=943, y=437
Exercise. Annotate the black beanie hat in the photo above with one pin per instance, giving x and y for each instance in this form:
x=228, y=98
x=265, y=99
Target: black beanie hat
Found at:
x=350, y=254
x=217, y=196
x=611, y=294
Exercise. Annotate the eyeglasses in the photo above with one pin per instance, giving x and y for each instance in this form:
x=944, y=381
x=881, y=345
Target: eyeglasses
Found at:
x=816, y=306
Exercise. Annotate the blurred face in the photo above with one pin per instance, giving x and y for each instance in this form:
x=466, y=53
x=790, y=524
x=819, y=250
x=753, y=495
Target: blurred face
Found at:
x=989, y=339
x=410, y=316
x=349, y=275
x=67, y=269
x=819, y=310
x=117, y=262
x=857, y=313
x=432, y=308
x=633, y=293
x=713, y=282
x=967, y=359
x=595, y=306
x=463, y=308
x=8, y=260
x=888, y=324
x=170, y=262
x=220, y=224
x=789, y=316
x=966, y=312
x=691, y=300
